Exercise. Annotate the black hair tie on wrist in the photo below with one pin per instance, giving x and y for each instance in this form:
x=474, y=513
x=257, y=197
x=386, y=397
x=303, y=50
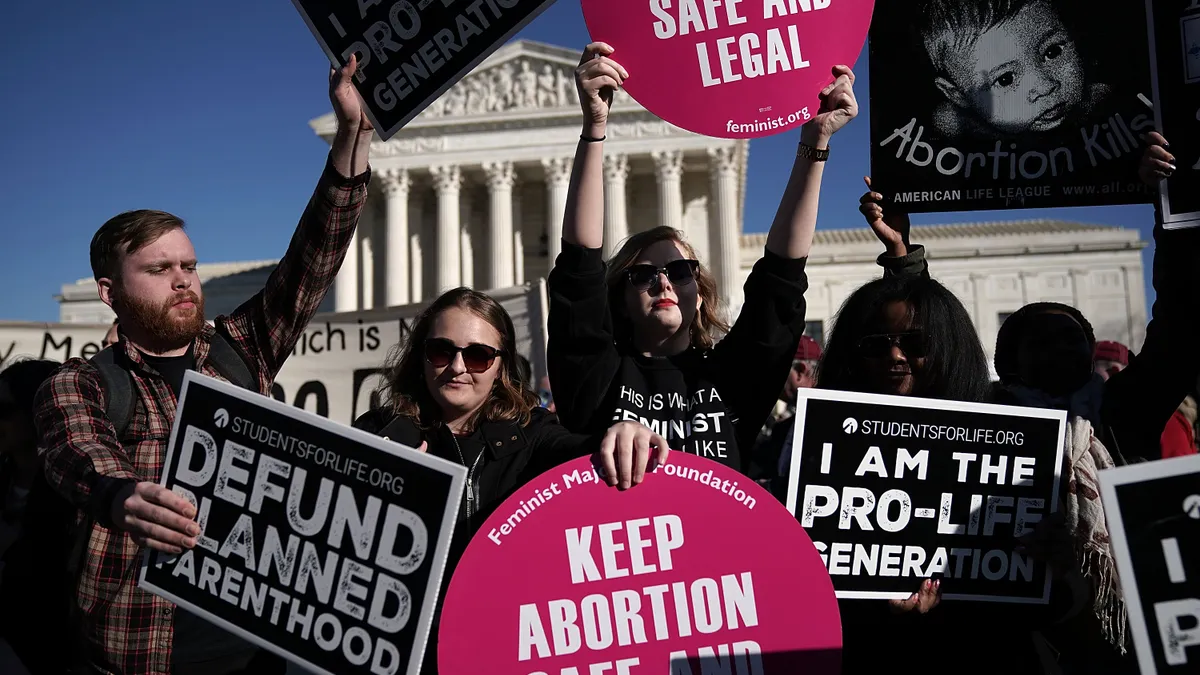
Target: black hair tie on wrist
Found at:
x=589, y=139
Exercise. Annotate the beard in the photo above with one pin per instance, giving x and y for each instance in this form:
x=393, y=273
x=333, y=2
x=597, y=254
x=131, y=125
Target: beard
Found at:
x=164, y=325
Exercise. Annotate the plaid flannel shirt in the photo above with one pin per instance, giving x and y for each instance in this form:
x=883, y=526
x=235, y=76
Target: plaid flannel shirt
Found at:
x=127, y=630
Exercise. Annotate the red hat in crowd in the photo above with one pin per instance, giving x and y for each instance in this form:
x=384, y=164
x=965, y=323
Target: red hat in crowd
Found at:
x=1107, y=350
x=808, y=350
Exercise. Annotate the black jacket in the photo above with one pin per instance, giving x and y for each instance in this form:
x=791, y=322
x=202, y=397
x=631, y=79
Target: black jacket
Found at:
x=512, y=455
x=709, y=402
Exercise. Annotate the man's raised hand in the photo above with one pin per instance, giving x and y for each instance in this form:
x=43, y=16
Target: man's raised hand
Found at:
x=348, y=106
x=156, y=517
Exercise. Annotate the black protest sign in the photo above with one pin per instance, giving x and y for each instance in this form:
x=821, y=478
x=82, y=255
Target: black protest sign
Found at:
x=893, y=490
x=411, y=51
x=1174, y=27
x=1024, y=104
x=1153, y=514
x=319, y=542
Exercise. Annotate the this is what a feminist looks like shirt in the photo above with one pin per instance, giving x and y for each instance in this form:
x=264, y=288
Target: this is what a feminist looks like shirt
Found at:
x=708, y=402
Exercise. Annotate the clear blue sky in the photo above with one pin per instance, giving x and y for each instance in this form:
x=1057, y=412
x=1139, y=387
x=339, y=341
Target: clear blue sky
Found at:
x=201, y=109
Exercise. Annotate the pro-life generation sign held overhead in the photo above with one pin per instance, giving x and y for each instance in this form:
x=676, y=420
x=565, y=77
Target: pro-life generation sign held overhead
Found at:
x=319, y=542
x=411, y=51
x=895, y=489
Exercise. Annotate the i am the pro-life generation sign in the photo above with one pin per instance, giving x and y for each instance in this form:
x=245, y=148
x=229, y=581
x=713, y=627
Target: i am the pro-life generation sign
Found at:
x=895, y=489
x=1153, y=513
x=321, y=543
x=411, y=51
x=730, y=68
x=1174, y=29
x=696, y=570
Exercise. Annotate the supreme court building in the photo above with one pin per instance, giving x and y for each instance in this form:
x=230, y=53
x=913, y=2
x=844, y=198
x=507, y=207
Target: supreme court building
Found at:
x=472, y=192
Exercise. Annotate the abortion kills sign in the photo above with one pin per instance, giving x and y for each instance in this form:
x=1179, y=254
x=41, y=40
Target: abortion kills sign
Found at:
x=1174, y=27
x=1153, y=513
x=410, y=51
x=1022, y=104
x=730, y=68
x=696, y=570
x=319, y=542
x=896, y=489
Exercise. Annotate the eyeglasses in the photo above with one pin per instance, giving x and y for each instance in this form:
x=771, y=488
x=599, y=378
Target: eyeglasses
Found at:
x=912, y=343
x=679, y=272
x=477, y=358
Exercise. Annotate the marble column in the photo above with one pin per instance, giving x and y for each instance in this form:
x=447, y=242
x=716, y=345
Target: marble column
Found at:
x=417, y=236
x=668, y=166
x=500, y=181
x=1075, y=274
x=724, y=240
x=558, y=179
x=1129, y=326
x=977, y=301
x=447, y=181
x=345, y=298
x=518, y=237
x=467, y=237
x=396, y=184
x=367, y=261
x=616, y=226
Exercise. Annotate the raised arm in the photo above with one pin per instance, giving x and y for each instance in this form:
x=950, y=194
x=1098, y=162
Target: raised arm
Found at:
x=795, y=222
x=596, y=80
x=899, y=256
x=1139, y=400
x=268, y=325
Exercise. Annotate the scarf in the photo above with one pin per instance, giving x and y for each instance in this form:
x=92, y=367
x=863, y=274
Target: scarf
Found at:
x=1086, y=457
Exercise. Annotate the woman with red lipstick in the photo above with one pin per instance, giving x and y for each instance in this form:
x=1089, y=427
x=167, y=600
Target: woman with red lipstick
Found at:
x=635, y=342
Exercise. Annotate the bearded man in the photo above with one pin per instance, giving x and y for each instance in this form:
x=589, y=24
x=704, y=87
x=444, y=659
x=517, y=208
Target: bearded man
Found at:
x=145, y=270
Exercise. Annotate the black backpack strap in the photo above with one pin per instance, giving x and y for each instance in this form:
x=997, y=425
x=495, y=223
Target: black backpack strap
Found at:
x=118, y=388
x=227, y=360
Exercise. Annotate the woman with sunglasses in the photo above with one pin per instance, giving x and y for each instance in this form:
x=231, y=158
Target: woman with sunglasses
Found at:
x=453, y=389
x=636, y=343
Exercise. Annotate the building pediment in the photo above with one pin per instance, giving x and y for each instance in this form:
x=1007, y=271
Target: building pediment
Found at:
x=521, y=84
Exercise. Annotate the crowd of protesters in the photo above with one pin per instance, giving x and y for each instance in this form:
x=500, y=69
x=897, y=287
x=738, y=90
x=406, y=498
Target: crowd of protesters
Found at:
x=81, y=501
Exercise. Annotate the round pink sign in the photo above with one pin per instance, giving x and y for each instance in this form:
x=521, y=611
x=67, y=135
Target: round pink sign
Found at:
x=697, y=569
x=730, y=68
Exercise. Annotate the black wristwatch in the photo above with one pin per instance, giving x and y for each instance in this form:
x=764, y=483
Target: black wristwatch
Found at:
x=806, y=151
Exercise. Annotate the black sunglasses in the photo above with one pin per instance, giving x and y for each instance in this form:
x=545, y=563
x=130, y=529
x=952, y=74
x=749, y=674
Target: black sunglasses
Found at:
x=477, y=358
x=679, y=272
x=912, y=343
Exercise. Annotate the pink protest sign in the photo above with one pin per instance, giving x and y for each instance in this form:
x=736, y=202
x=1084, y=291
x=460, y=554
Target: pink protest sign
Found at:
x=730, y=68
x=696, y=570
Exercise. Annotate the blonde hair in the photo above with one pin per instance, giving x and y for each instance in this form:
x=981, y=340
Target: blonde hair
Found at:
x=707, y=325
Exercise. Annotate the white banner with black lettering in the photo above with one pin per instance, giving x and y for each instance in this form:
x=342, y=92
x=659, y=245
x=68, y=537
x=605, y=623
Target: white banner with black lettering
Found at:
x=335, y=369
x=322, y=543
x=897, y=489
x=54, y=341
x=1153, y=514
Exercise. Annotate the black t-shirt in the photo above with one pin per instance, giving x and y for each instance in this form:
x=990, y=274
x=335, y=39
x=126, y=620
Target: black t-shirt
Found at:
x=202, y=645
x=708, y=402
